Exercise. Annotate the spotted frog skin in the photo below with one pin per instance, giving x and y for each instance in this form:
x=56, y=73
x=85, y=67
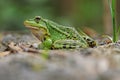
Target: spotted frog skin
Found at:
x=55, y=36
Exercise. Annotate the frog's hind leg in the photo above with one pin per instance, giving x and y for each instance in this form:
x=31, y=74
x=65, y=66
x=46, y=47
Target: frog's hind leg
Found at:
x=68, y=44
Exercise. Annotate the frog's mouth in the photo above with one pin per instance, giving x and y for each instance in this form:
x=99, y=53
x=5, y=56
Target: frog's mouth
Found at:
x=31, y=27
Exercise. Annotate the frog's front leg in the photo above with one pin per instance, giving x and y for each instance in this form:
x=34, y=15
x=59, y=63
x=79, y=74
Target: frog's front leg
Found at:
x=46, y=44
x=68, y=44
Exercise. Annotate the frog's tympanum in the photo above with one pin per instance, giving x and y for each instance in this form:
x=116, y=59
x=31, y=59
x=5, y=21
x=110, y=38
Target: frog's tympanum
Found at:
x=55, y=36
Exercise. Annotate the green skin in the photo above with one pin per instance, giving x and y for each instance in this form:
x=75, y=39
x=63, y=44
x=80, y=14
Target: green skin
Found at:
x=54, y=36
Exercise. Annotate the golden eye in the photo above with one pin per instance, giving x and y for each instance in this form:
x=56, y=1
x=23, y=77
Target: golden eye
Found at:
x=37, y=19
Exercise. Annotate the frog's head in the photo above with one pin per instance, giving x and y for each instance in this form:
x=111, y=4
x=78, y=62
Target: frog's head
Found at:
x=37, y=26
x=35, y=23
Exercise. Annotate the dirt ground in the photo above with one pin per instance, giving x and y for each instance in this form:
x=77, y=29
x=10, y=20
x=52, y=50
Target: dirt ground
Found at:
x=21, y=60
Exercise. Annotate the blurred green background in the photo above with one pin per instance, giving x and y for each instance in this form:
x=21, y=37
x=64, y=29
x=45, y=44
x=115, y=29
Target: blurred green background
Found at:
x=78, y=13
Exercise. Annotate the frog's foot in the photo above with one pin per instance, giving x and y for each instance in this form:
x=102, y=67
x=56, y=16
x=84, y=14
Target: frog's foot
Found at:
x=68, y=44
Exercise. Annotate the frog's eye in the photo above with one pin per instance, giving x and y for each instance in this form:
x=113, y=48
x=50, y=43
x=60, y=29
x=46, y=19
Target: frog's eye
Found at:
x=37, y=19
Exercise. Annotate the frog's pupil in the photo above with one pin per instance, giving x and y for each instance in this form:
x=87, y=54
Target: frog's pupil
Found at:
x=38, y=17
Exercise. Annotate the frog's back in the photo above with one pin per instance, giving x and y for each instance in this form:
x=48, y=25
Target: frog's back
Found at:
x=62, y=32
x=55, y=31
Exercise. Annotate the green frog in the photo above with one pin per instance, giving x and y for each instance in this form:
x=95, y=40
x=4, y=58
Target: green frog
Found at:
x=55, y=36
